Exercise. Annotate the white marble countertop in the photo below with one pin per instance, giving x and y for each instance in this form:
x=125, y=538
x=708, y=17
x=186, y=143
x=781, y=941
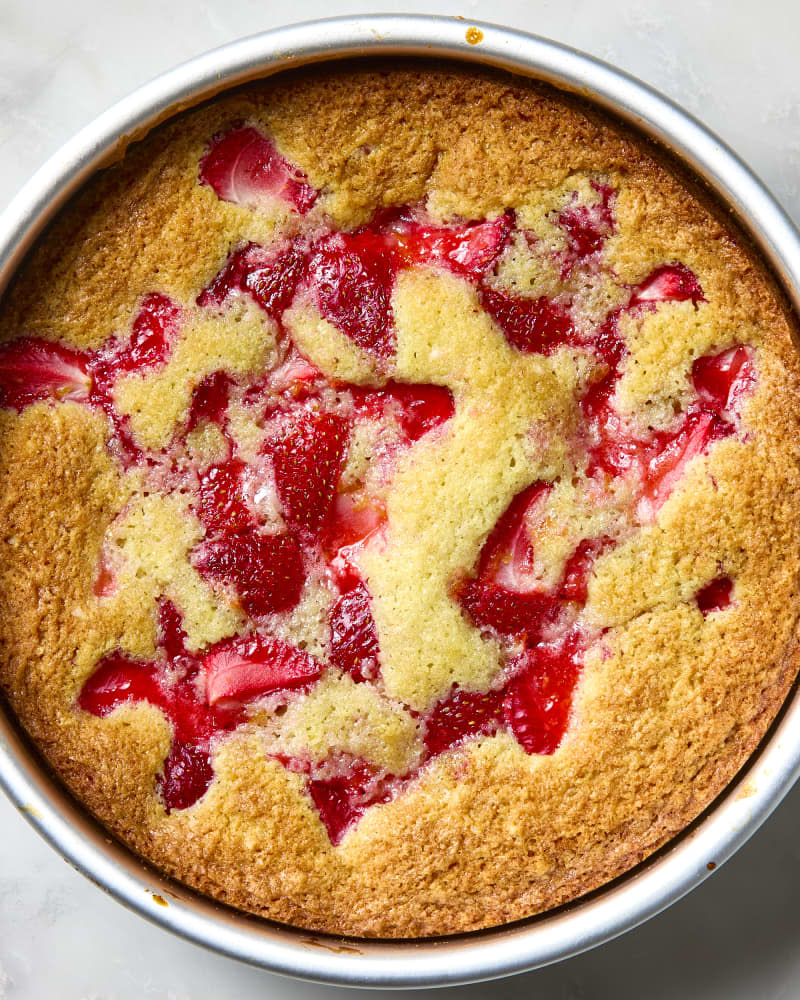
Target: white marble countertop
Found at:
x=732, y=63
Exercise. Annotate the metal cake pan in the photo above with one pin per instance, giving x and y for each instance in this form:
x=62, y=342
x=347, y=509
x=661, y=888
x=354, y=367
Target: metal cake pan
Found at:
x=648, y=888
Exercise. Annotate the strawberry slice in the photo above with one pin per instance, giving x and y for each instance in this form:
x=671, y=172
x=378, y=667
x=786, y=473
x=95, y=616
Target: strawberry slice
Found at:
x=587, y=227
x=670, y=453
x=119, y=680
x=354, y=639
x=508, y=612
x=269, y=277
x=265, y=570
x=715, y=596
x=610, y=348
x=418, y=408
x=355, y=523
x=243, y=166
x=308, y=450
x=153, y=334
x=343, y=799
x=721, y=380
x=171, y=636
x=296, y=376
x=669, y=283
x=575, y=582
x=33, y=370
x=461, y=716
x=210, y=400
x=353, y=519
x=238, y=670
x=222, y=507
x=531, y=325
x=538, y=700
x=507, y=554
x=352, y=281
x=617, y=451
x=169, y=683
x=186, y=776
x=468, y=249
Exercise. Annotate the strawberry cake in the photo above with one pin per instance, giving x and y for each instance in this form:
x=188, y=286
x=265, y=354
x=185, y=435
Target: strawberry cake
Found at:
x=398, y=499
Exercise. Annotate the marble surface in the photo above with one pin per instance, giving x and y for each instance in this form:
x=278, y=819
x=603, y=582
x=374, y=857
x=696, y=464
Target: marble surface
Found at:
x=733, y=65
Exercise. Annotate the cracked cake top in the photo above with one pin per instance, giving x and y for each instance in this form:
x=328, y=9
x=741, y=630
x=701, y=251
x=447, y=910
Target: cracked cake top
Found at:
x=399, y=472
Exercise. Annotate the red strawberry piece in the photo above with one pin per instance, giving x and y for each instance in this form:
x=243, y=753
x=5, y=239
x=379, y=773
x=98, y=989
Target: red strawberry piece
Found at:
x=469, y=249
x=342, y=800
x=233, y=275
x=171, y=684
x=418, y=408
x=596, y=405
x=295, y=377
x=33, y=369
x=121, y=443
x=171, y=636
x=354, y=639
x=669, y=283
x=353, y=274
x=508, y=612
x=616, y=450
x=532, y=325
x=587, y=227
x=222, y=507
x=353, y=519
x=574, y=584
x=269, y=277
x=105, y=582
x=538, y=700
x=273, y=283
x=353, y=285
x=608, y=344
x=210, y=400
x=155, y=329
x=721, y=380
x=153, y=334
x=308, y=450
x=238, y=670
x=461, y=716
x=714, y=596
x=602, y=423
x=265, y=570
x=507, y=554
x=243, y=166
x=670, y=453
x=659, y=459
x=119, y=680
x=353, y=525
x=192, y=719
x=186, y=776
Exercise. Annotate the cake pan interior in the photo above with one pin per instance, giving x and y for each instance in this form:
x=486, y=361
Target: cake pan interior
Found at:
x=646, y=889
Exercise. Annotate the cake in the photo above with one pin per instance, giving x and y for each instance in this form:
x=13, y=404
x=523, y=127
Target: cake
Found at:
x=398, y=498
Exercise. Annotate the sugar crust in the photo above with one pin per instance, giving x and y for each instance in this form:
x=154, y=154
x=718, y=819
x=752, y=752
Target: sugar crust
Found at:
x=670, y=704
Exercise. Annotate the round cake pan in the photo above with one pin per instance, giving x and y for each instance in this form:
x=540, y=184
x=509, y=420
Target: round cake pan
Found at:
x=647, y=889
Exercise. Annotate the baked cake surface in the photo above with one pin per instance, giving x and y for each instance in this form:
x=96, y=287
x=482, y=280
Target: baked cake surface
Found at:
x=398, y=490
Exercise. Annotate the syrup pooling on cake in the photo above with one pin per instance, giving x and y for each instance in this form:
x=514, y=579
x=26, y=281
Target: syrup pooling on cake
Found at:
x=286, y=471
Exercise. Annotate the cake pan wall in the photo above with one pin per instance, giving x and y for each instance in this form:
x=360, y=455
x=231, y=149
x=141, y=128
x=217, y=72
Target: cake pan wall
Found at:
x=647, y=889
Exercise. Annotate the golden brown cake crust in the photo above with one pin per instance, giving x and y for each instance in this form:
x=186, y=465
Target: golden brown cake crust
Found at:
x=665, y=714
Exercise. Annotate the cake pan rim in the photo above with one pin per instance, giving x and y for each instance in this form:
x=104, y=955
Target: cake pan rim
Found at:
x=650, y=887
